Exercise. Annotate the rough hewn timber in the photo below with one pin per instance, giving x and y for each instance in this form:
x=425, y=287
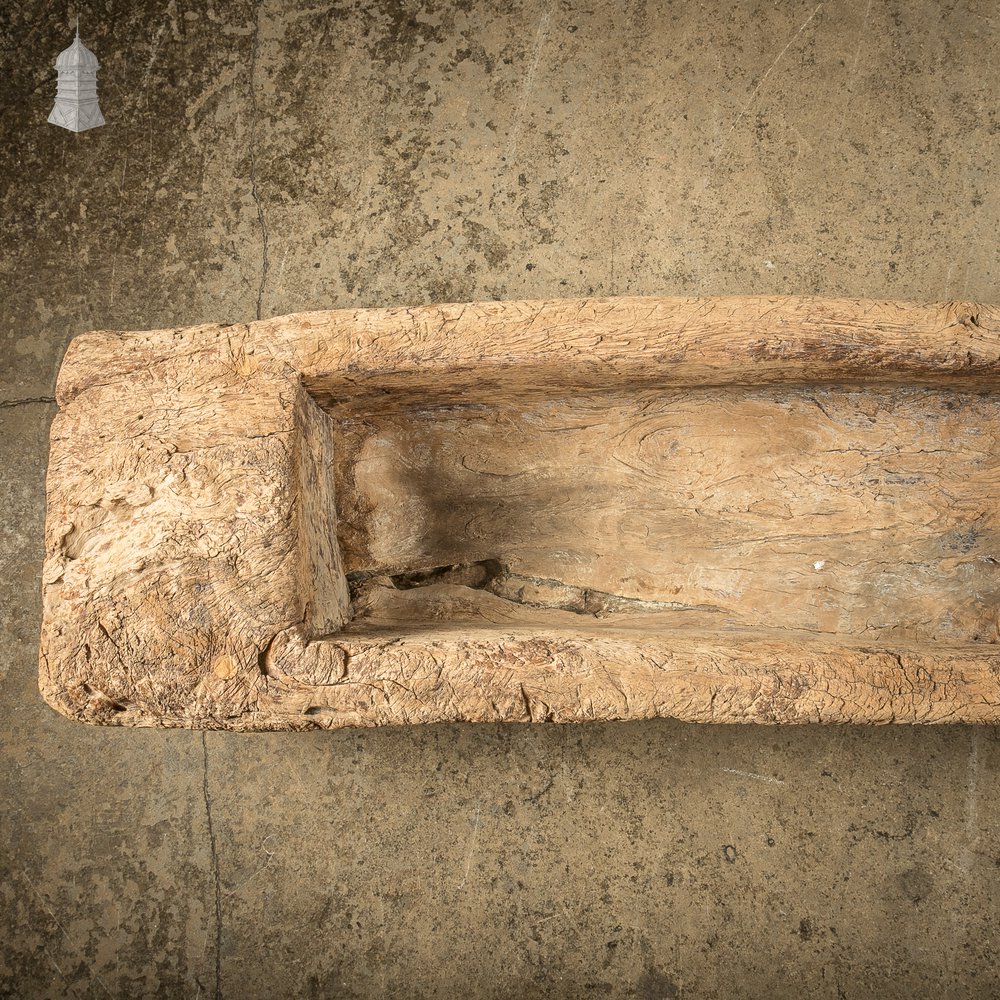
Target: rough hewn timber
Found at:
x=745, y=510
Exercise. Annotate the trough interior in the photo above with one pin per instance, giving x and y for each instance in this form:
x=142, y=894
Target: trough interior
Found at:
x=859, y=513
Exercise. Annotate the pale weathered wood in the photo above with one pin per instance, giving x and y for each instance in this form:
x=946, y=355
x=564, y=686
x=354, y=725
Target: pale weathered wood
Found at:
x=772, y=510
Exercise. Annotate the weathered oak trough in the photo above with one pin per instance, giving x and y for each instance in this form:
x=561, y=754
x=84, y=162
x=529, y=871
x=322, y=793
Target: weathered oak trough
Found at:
x=728, y=510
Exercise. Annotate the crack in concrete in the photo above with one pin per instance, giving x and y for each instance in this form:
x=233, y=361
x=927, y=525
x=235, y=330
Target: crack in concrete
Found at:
x=10, y=403
x=254, y=190
x=215, y=869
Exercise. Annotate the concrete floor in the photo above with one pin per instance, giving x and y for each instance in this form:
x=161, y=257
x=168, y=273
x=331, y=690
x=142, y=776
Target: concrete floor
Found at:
x=262, y=159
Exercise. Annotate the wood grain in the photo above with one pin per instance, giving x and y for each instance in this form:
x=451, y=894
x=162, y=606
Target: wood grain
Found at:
x=769, y=510
x=860, y=511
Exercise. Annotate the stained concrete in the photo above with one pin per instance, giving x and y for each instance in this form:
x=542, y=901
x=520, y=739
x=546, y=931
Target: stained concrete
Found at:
x=263, y=159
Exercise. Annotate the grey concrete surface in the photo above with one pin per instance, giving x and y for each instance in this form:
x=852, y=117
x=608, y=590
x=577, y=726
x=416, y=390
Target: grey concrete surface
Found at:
x=273, y=157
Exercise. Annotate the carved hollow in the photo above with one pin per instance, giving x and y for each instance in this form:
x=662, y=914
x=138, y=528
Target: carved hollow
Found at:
x=767, y=510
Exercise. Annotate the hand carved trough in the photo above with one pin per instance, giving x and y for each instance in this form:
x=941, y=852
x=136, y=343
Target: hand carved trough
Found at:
x=720, y=510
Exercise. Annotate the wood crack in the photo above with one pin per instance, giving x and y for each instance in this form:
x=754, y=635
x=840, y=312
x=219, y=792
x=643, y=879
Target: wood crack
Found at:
x=494, y=577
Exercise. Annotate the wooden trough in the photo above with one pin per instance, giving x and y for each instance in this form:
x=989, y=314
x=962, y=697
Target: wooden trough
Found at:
x=720, y=510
